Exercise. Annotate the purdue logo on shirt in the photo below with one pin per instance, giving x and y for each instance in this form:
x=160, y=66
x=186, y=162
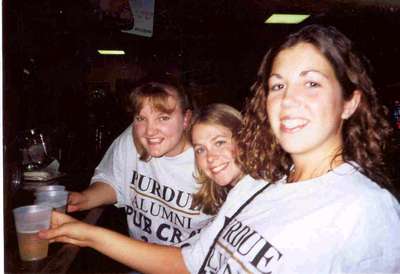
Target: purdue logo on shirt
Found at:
x=172, y=207
x=240, y=249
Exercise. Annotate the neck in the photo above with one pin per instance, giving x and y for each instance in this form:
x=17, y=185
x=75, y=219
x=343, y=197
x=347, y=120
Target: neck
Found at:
x=236, y=180
x=313, y=169
x=184, y=145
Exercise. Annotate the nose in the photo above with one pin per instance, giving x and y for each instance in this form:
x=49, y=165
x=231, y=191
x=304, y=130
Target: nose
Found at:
x=211, y=157
x=151, y=129
x=290, y=97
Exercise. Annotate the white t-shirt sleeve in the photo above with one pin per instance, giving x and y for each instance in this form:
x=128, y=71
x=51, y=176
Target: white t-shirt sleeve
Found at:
x=374, y=246
x=111, y=168
x=195, y=254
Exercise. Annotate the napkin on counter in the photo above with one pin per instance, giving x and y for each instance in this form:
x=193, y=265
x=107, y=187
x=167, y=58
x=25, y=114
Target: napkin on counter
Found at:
x=44, y=174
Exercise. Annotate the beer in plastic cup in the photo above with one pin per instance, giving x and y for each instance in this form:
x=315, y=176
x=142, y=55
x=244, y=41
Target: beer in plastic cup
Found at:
x=29, y=220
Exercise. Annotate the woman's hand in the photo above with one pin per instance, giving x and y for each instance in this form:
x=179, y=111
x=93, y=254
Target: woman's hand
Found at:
x=76, y=201
x=97, y=194
x=66, y=229
x=136, y=254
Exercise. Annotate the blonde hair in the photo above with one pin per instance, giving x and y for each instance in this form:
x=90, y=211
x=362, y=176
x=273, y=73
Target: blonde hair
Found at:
x=211, y=196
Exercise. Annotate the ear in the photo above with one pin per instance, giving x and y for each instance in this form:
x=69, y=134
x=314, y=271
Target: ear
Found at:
x=351, y=105
x=187, y=117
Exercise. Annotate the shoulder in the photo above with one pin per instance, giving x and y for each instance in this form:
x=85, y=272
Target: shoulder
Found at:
x=124, y=143
x=127, y=133
x=364, y=195
x=371, y=217
x=349, y=179
x=247, y=185
x=125, y=137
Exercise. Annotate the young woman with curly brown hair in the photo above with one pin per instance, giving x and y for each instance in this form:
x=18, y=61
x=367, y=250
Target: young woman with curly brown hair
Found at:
x=364, y=135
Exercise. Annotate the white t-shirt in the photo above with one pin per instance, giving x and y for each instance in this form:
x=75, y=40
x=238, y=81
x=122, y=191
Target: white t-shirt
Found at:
x=341, y=222
x=157, y=195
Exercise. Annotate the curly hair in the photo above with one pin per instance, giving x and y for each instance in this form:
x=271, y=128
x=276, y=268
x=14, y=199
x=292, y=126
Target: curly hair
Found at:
x=156, y=91
x=211, y=196
x=365, y=133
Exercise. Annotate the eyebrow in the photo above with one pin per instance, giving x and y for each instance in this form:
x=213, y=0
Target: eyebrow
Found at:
x=275, y=75
x=212, y=139
x=303, y=73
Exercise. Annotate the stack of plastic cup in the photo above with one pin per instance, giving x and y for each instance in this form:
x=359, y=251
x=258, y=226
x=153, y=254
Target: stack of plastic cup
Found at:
x=50, y=188
x=29, y=220
x=57, y=199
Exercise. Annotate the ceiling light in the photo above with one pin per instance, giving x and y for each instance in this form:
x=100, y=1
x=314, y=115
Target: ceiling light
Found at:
x=110, y=52
x=280, y=18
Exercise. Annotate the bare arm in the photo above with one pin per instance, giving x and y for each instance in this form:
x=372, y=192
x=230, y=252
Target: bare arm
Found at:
x=96, y=194
x=141, y=256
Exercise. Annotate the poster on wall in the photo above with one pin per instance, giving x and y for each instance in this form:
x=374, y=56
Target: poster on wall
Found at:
x=143, y=14
x=117, y=13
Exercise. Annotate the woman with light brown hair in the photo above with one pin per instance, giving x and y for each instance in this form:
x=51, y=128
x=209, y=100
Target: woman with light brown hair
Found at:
x=213, y=191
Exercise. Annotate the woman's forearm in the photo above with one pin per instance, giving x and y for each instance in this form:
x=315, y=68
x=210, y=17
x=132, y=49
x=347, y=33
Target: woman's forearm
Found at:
x=99, y=194
x=141, y=256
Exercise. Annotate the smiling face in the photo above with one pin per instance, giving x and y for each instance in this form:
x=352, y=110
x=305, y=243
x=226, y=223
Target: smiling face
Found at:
x=305, y=103
x=215, y=152
x=162, y=133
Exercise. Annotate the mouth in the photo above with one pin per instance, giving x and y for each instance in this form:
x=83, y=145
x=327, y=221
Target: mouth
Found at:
x=293, y=124
x=154, y=141
x=219, y=168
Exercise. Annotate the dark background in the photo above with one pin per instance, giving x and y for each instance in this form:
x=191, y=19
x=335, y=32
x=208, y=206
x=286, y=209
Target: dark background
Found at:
x=54, y=79
x=51, y=67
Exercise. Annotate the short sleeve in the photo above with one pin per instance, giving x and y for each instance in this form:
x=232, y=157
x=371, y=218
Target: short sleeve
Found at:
x=374, y=245
x=194, y=254
x=111, y=168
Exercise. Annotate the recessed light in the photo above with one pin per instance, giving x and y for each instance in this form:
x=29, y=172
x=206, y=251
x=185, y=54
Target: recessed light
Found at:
x=110, y=52
x=281, y=18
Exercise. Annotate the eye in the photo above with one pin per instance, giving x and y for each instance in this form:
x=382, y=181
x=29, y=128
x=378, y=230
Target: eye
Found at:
x=220, y=143
x=165, y=118
x=276, y=87
x=138, y=118
x=312, y=84
x=199, y=150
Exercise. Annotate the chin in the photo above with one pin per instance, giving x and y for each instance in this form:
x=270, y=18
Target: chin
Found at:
x=156, y=153
x=294, y=147
x=224, y=182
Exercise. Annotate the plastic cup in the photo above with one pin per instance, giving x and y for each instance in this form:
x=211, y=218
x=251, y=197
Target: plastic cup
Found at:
x=59, y=206
x=55, y=199
x=50, y=188
x=29, y=220
x=51, y=195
